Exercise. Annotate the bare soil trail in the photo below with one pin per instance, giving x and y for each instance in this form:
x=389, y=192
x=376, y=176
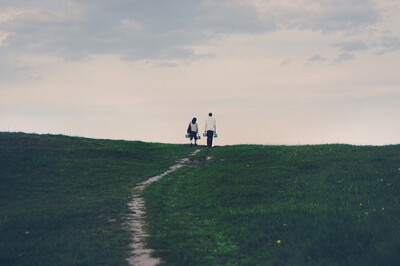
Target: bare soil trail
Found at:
x=141, y=256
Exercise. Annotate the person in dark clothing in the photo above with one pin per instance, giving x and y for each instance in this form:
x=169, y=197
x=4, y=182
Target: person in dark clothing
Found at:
x=194, y=129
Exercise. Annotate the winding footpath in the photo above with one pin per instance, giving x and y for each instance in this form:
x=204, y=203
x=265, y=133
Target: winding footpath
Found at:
x=141, y=256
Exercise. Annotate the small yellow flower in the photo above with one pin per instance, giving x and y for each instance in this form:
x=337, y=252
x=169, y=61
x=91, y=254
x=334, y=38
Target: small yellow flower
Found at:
x=27, y=233
x=383, y=209
x=366, y=213
x=284, y=224
x=399, y=169
x=360, y=204
x=278, y=241
x=381, y=179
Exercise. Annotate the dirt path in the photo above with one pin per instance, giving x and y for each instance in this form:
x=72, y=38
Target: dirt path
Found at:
x=141, y=256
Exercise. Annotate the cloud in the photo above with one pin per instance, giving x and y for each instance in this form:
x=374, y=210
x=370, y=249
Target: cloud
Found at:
x=154, y=29
x=132, y=25
x=231, y=17
x=35, y=78
x=167, y=64
x=134, y=29
x=389, y=44
x=285, y=62
x=352, y=46
x=344, y=57
x=322, y=15
x=4, y=36
x=316, y=58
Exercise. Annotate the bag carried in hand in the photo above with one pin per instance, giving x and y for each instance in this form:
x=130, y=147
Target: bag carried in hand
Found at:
x=189, y=129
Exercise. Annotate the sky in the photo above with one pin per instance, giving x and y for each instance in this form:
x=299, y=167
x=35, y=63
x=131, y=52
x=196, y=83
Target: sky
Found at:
x=271, y=71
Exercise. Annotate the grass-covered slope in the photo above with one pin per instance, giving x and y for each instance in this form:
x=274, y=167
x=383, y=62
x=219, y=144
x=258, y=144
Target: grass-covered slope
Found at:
x=63, y=200
x=280, y=205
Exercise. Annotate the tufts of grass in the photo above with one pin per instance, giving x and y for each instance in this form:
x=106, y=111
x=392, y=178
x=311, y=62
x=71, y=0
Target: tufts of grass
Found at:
x=280, y=205
x=63, y=200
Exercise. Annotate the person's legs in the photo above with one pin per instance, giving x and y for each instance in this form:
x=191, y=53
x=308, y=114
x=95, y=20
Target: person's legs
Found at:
x=193, y=135
x=210, y=135
x=191, y=138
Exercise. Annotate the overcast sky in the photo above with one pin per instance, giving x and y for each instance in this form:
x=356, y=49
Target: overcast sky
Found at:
x=271, y=71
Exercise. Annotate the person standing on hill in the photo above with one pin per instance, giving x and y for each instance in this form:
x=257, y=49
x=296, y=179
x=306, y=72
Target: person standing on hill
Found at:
x=210, y=129
x=194, y=129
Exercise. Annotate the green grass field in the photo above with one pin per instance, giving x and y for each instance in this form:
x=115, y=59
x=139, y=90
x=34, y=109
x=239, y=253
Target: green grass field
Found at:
x=280, y=205
x=63, y=201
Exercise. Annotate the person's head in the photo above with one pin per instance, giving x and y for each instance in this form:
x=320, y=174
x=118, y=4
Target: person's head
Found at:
x=194, y=120
x=209, y=114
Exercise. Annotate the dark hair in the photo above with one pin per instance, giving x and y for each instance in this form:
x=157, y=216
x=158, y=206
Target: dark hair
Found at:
x=194, y=120
x=209, y=114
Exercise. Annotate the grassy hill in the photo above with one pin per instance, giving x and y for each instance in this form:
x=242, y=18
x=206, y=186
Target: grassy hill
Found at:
x=280, y=205
x=63, y=201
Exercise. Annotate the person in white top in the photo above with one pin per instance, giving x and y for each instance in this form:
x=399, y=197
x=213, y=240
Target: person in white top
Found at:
x=194, y=129
x=210, y=129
